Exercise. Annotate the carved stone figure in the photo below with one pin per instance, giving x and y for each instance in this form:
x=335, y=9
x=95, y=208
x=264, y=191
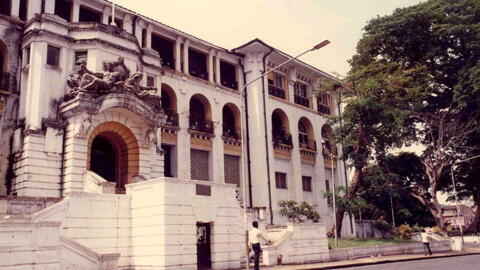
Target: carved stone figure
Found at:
x=116, y=77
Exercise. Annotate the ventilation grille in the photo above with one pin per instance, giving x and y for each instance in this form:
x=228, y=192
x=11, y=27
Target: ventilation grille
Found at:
x=232, y=169
x=199, y=165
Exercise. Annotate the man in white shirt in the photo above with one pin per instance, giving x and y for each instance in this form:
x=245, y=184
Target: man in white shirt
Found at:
x=426, y=243
x=254, y=238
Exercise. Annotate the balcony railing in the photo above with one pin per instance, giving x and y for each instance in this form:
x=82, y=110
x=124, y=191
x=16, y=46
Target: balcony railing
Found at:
x=275, y=91
x=202, y=74
x=231, y=133
x=308, y=144
x=285, y=139
x=205, y=126
x=302, y=101
x=5, y=81
x=329, y=150
x=172, y=118
x=230, y=84
x=324, y=109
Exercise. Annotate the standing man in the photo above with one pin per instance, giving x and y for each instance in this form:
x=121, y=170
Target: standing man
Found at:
x=254, y=238
x=426, y=242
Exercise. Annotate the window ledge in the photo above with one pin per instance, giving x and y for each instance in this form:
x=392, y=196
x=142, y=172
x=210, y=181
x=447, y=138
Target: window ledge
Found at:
x=59, y=69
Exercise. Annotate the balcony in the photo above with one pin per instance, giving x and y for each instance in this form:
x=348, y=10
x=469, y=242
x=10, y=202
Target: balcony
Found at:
x=329, y=151
x=230, y=84
x=202, y=74
x=324, y=109
x=171, y=118
x=282, y=139
x=231, y=134
x=276, y=92
x=205, y=126
x=308, y=144
x=302, y=101
x=6, y=80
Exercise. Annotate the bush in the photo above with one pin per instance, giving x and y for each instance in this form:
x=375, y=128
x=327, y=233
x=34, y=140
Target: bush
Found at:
x=383, y=226
x=416, y=228
x=404, y=232
x=298, y=213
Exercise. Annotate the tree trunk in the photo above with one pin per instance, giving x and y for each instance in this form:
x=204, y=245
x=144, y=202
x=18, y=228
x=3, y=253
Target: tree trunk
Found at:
x=474, y=227
x=352, y=190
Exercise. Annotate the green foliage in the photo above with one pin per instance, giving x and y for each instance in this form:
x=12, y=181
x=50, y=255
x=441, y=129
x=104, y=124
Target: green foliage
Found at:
x=404, y=232
x=383, y=226
x=360, y=242
x=349, y=205
x=298, y=212
x=395, y=177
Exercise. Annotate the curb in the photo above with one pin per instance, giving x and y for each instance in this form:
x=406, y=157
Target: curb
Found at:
x=386, y=261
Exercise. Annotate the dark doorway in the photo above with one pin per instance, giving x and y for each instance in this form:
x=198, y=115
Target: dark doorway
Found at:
x=167, y=160
x=204, y=260
x=103, y=159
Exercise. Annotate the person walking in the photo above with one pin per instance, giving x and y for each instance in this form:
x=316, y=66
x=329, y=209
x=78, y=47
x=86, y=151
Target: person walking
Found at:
x=254, y=238
x=426, y=242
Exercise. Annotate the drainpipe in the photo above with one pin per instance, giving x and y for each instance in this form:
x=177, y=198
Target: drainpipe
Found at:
x=247, y=137
x=62, y=164
x=266, y=138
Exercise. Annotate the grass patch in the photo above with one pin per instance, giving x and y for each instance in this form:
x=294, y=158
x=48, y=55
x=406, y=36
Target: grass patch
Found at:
x=359, y=242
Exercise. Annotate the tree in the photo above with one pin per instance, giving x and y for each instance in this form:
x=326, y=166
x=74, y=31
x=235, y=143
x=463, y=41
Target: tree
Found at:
x=392, y=183
x=425, y=60
x=298, y=212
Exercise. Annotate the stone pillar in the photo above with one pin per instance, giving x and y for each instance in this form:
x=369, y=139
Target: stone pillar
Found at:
x=291, y=79
x=183, y=136
x=107, y=11
x=35, y=82
x=75, y=11
x=217, y=144
x=49, y=6
x=239, y=78
x=296, y=163
x=185, y=56
x=15, y=8
x=149, y=36
x=127, y=23
x=210, y=65
x=217, y=68
x=138, y=31
x=34, y=7
x=178, y=53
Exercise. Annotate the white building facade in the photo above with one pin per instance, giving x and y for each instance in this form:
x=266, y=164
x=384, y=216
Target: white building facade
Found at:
x=135, y=130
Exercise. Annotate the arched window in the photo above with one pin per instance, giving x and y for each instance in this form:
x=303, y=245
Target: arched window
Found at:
x=169, y=104
x=280, y=128
x=200, y=114
x=230, y=121
x=302, y=133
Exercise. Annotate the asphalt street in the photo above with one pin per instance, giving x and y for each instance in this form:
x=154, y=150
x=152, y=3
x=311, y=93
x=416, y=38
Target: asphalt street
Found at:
x=471, y=262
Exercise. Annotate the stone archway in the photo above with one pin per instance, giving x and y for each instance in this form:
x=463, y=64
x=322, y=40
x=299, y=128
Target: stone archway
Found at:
x=113, y=144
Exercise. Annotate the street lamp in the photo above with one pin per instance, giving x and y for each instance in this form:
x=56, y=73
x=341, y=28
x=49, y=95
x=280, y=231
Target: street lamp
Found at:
x=455, y=192
x=244, y=136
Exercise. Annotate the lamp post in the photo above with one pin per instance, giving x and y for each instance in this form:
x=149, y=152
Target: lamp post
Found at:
x=243, y=120
x=455, y=191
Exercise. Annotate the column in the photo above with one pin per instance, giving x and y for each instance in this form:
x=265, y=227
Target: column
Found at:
x=296, y=163
x=75, y=11
x=35, y=82
x=49, y=6
x=178, y=54
x=15, y=8
x=149, y=36
x=34, y=7
x=210, y=65
x=239, y=78
x=217, y=68
x=217, y=145
x=127, y=23
x=291, y=79
x=107, y=11
x=185, y=56
x=138, y=31
x=183, y=136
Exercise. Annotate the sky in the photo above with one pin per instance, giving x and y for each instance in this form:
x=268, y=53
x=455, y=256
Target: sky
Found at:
x=291, y=26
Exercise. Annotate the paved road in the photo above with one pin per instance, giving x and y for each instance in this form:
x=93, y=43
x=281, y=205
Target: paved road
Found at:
x=471, y=262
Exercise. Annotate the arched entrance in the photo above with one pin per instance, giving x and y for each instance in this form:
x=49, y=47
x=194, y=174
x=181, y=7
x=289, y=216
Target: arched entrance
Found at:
x=113, y=154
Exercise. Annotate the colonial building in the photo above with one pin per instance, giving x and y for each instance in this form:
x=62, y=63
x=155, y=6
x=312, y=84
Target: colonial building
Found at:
x=136, y=144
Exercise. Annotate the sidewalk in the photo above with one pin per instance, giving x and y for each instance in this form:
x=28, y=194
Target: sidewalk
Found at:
x=372, y=260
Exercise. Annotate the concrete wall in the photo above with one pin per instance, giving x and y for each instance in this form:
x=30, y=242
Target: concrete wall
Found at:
x=387, y=250
x=29, y=245
x=164, y=227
